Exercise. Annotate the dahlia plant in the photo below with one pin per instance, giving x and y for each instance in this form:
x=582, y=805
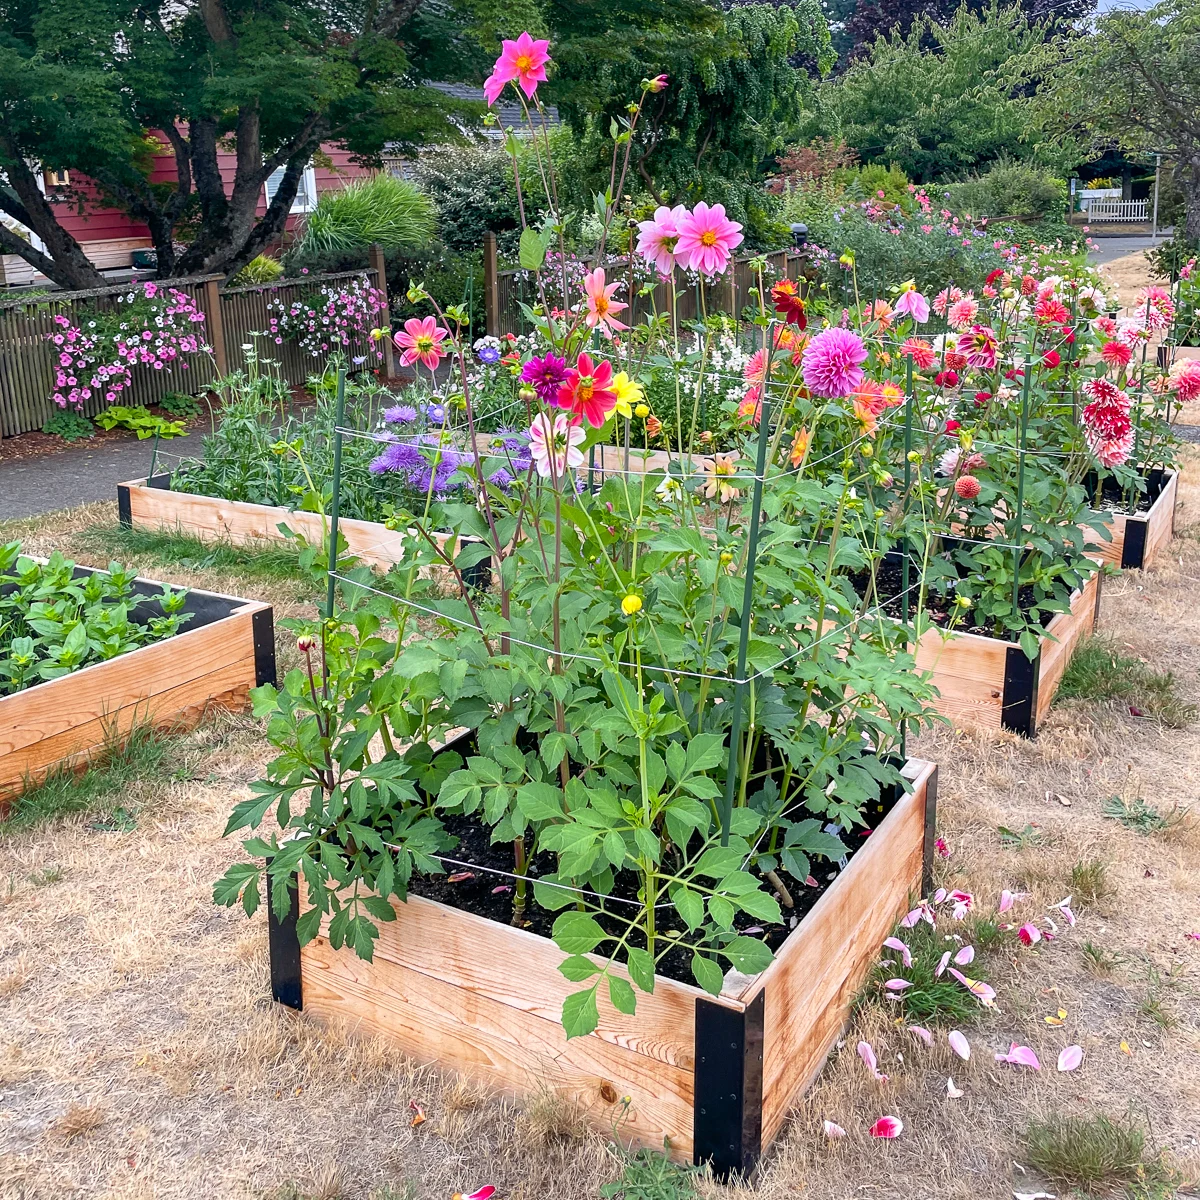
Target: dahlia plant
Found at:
x=680, y=689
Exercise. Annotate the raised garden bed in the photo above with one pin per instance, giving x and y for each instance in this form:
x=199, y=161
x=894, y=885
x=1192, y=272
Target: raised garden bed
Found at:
x=150, y=504
x=1138, y=538
x=716, y=1076
x=226, y=648
x=989, y=682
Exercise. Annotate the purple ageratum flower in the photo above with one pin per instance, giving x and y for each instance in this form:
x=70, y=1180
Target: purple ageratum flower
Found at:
x=488, y=354
x=501, y=479
x=544, y=374
x=400, y=414
x=436, y=413
x=831, y=363
x=401, y=456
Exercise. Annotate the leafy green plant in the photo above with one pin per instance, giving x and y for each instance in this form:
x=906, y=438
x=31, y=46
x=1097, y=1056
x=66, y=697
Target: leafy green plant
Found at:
x=1099, y=1152
x=180, y=405
x=69, y=425
x=53, y=622
x=1100, y=672
x=139, y=419
x=651, y=1175
x=1021, y=838
x=1134, y=813
x=382, y=209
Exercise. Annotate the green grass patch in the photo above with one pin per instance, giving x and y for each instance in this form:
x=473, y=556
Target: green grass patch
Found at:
x=95, y=790
x=276, y=564
x=1135, y=813
x=651, y=1175
x=1099, y=672
x=1089, y=882
x=1099, y=1155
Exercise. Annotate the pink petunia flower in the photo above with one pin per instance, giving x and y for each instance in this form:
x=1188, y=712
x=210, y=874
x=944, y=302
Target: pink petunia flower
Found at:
x=554, y=444
x=421, y=341
x=601, y=307
x=831, y=363
x=706, y=239
x=522, y=62
x=657, y=237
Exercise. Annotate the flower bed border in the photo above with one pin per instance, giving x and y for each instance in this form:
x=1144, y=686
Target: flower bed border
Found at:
x=151, y=504
x=993, y=683
x=715, y=1075
x=226, y=649
x=1137, y=538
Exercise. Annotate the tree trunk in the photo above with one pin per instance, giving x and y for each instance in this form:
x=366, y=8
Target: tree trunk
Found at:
x=1189, y=178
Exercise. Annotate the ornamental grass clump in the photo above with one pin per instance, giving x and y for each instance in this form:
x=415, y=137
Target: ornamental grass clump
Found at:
x=678, y=702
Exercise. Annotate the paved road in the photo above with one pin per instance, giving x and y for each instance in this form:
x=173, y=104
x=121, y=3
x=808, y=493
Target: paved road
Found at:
x=81, y=474
x=1110, y=248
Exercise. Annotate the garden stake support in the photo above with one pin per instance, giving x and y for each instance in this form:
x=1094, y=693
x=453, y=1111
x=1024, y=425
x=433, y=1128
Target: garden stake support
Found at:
x=905, y=565
x=739, y=691
x=1018, y=539
x=337, y=490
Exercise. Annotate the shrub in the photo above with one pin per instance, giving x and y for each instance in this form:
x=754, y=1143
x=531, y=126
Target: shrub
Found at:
x=472, y=189
x=263, y=269
x=69, y=425
x=1010, y=189
x=392, y=212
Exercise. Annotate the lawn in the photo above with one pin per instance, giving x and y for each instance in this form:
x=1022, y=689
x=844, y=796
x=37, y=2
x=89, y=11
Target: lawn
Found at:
x=141, y=1056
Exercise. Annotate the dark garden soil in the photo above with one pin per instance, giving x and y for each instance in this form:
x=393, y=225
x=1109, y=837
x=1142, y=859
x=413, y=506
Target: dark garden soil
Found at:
x=486, y=888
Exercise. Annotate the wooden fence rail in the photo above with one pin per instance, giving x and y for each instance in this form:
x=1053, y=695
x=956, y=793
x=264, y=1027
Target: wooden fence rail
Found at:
x=232, y=318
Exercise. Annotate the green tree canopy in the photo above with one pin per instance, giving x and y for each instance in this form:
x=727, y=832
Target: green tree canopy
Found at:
x=945, y=98
x=1135, y=83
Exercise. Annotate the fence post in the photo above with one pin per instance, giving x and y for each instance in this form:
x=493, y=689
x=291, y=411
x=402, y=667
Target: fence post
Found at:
x=491, y=286
x=216, y=324
x=375, y=258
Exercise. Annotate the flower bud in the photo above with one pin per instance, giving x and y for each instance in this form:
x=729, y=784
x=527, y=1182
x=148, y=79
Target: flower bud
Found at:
x=305, y=643
x=642, y=411
x=631, y=604
x=657, y=84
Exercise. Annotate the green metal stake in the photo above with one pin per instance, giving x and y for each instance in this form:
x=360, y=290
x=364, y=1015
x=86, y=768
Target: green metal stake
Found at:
x=337, y=488
x=739, y=692
x=153, y=456
x=905, y=562
x=1018, y=539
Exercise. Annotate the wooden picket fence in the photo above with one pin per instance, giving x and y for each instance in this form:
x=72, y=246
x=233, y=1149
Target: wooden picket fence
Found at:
x=233, y=316
x=506, y=289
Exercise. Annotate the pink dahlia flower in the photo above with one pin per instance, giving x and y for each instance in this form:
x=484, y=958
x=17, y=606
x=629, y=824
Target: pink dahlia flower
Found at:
x=911, y=303
x=421, y=341
x=831, y=363
x=963, y=312
x=601, y=307
x=1187, y=382
x=554, y=444
x=707, y=237
x=657, y=237
x=980, y=345
x=1110, y=451
x=522, y=62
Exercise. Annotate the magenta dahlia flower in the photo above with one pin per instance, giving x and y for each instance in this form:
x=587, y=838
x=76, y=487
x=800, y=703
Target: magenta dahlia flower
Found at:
x=831, y=363
x=707, y=237
x=522, y=62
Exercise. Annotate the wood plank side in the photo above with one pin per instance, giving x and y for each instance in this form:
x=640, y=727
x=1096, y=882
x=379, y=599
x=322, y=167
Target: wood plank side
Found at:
x=811, y=983
x=1106, y=552
x=514, y=1051
x=1068, y=630
x=968, y=671
x=85, y=695
x=520, y=970
x=1161, y=520
x=177, y=709
x=247, y=524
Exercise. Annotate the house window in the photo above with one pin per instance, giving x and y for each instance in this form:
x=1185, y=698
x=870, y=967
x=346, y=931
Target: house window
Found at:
x=306, y=193
x=58, y=178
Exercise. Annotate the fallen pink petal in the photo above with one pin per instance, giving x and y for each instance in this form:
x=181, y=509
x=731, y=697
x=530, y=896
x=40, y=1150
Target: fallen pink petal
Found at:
x=1070, y=1058
x=833, y=1130
x=939, y=896
x=867, y=1053
x=942, y=965
x=897, y=985
x=965, y=956
x=1020, y=1056
x=1029, y=934
x=887, y=1127
x=894, y=943
x=1008, y=899
x=960, y=1045
x=952, y=1092
x=982, y=992
x=922, y=1033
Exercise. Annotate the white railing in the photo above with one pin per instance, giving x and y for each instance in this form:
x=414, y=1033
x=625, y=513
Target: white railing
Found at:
x=1116, y=210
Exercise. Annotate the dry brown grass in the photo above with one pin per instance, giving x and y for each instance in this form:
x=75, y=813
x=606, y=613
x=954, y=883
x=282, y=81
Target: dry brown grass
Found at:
x=140, y=1001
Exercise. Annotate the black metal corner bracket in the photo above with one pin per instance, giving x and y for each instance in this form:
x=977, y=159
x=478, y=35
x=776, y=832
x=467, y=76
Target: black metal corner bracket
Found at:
x=1019, y=699
x=727, y=1121
x=284, y=946
x=1133, y=549
x=262, y=627
x=930, y=841
x=124, y=509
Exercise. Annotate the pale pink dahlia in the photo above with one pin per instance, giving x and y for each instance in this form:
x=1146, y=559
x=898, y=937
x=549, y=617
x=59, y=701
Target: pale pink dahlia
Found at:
x=707, y=237
x=963, y=312
x=831, y=363
x=657, y=237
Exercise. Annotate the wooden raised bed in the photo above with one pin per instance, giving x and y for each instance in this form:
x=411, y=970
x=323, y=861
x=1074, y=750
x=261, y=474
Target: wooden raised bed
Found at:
x=993, y=683
x=150, y=504
x=227, y=648
x=1137, y=538
x=714, y=1075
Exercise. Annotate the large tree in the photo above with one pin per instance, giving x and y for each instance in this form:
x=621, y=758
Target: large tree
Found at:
x=1136, y=83
x=84, y=85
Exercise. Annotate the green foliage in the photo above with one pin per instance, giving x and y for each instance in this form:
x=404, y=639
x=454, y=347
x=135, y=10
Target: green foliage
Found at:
x=140, y=756
x=1100, y=672
x=473, y=191
x=53, y=623
x=1134, y=813
x=651, y=1175
x=180, y=405
x=69, y=425
x=1099, y=1153
x=139, y=419
x=1089, y=882
x=260, y=269
x=945, y=97
x=392, y=212
x=1010, y=188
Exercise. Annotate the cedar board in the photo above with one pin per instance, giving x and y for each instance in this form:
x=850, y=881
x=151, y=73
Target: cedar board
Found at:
x=1159, y=520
